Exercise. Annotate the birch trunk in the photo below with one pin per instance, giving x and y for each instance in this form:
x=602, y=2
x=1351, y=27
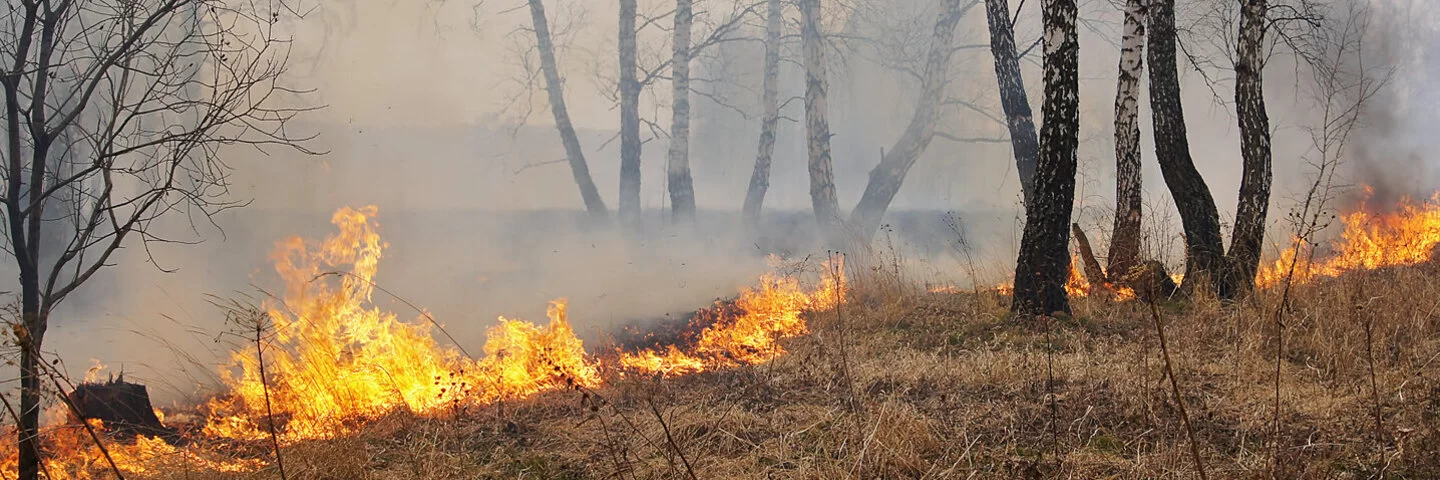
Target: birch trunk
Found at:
x=817, y=126
x=1204, y=251
x=1044, y=261
x=629, y=119
x=760, y=178
x=1255, y=178
x=682, y=188
x=1125, y=237
x=887, y=177
x=1018, y=116
x=555, y=87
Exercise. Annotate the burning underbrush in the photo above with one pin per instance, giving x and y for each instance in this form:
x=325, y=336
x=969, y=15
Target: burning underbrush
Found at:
x=323, y=362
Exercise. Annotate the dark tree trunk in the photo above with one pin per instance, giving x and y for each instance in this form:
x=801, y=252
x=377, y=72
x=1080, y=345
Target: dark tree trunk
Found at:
x=886, y=178
x=822, y=176
x=760, y=178
x=682, y=188
x=1204, y=251
x=1012, y=94
x=1044, y=262
x=594, y=204
x=629, y=119
x=1094, y=274
x=29, y=428
x=1254, y=203
x=1125, y=237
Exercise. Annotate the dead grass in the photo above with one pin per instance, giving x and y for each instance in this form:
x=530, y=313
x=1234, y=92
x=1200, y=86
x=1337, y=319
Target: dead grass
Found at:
x=950, y=386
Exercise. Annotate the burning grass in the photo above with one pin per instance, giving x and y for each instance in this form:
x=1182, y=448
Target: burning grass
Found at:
x=792, y=382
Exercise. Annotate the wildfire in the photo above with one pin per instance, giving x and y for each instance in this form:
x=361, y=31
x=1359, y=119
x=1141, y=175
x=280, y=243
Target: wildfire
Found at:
x=1407, y=236
x=323, y=360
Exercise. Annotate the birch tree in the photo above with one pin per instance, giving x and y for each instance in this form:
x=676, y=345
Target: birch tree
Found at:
x=1204, y=251
x=1018, y=116
x=682, y=189
x=1254, y=201
x=629, y=118
x=889, y=175
x=770, y=101
x=817, y=124
x=555, y=89
x=1125, y=237
x=1040, y=272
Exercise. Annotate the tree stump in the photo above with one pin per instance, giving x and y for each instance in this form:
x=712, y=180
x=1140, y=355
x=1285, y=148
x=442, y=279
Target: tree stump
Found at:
x=1150, y=281
x=124, y=408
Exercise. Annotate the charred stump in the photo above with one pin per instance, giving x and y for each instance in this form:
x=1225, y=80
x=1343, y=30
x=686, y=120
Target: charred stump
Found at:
x=1151, y=282
x=124, y=408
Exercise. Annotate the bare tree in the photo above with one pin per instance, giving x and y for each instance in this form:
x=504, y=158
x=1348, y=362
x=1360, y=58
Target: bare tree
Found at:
x=822, y=176
x=1204, y=250
x=1254, y=202
x=1040, y=272
x=1125, y=237
x=887, y=177
x=629, y=118
x=760, y=178
x=555, y=87
x=1018, y=116
x=115, y=115
x=682, y=188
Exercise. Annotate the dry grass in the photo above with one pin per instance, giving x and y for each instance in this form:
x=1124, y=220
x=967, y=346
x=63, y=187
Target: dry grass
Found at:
x=949, y=386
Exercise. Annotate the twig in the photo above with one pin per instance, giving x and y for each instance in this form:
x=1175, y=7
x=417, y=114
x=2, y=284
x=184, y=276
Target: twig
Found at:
x=670, y=439
x=1175, y=388
x=265, y=387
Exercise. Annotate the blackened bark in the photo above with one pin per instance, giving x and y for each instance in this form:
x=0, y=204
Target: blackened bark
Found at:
x=760, y=178
x=1044, y=262
x=682, y=188
x=886, y=178
x=1125, y=236
x=1018, y=116
x=594, y=204
x=1204, y=251
x=629, y=119
x=822, y=176
x=1255, y=179
x=1094, y=275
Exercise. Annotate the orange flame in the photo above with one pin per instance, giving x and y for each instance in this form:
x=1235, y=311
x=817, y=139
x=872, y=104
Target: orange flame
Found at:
x=769, y=313
x=1407, y=236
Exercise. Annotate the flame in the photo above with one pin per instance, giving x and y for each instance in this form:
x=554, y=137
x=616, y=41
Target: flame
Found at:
x=1407, y=236
x=767, y=314
x=336, y=360
x=324, y=360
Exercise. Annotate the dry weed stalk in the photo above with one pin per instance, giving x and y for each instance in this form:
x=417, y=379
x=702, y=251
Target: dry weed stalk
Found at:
x=1169, y=367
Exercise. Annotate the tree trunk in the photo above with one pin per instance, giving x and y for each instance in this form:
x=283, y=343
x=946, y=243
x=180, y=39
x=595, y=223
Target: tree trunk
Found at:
x=1018, y=115
x=1254, y=203
x=629, y=119
x=30, y=341
x=682, y=188
x=1204, y=252
x=1125, y=237
x=1044, y=262
x=822, y=176
x=760, y=178
x=886, y=178
x=594, y=204
x=1094, y=274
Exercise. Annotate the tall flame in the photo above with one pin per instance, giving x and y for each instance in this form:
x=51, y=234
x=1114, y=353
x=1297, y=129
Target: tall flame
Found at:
x=335, y=359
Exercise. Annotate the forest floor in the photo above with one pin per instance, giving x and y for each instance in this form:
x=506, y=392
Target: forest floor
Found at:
x=902, y=383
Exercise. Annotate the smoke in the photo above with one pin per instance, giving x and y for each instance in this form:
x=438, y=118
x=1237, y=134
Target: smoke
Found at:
x=1393, y=154
x=428, y=117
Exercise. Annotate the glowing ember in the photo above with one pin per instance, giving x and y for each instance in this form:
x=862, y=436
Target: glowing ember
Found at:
x=1406, y=236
